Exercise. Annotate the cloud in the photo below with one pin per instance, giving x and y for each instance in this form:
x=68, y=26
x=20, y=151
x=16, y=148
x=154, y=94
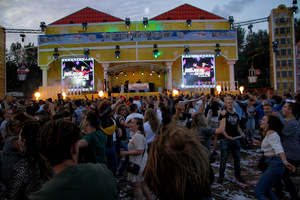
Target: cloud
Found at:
x=234, y=6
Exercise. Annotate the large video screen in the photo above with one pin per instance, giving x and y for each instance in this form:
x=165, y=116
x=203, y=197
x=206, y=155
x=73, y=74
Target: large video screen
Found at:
x=198, y=70
x=78, y=73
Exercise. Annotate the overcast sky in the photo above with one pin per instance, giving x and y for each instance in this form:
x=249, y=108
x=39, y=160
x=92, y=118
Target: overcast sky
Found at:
x=29, y=13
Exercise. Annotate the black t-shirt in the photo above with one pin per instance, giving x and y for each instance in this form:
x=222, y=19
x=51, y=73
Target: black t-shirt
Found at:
x=232, y=121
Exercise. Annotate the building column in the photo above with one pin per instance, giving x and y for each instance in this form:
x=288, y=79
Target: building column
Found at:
x=45, y=74
x=169, y=75
x=105, y=69
x=231, y=74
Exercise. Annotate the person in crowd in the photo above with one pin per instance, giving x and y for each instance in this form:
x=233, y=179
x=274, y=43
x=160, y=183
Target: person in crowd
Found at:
x=121, y=114
x=93, y=109
x=213, y=120
x=7, y=113
x=137, y=102
x=57, y=141
x=108, y=126
x=32, y=171
x=267, y=109
x=76, y=118
x=274, y=157
x=11, y=154
x=233, y=129
x=137, y=151
x=93, y=143
x=151, y=125
x=290, y=139
x=133, y=114
x=178, y=165
x=165, y=114
x=250, y=125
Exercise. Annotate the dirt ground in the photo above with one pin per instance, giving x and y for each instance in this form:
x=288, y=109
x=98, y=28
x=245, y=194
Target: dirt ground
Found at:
x=230, y=189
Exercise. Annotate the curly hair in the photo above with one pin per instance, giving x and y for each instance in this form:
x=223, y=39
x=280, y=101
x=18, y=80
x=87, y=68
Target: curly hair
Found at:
x=120, y=107
x=152, y=118
x=103, y=106
x=178, y=165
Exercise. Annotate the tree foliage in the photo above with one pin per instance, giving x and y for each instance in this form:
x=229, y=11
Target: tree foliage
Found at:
x=297, y=30
x=15, y=56
x=255, y=52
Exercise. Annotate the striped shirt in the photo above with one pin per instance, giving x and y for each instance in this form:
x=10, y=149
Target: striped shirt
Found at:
x=291, y=139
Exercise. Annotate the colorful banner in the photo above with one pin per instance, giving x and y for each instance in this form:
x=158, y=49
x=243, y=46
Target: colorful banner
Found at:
x=179, y=35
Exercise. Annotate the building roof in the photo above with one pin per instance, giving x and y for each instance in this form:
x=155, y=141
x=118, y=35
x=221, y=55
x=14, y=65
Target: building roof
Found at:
x=87, y=15
x=185, y=12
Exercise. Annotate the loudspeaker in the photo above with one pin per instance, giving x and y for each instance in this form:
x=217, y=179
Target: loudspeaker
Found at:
x=212, y=91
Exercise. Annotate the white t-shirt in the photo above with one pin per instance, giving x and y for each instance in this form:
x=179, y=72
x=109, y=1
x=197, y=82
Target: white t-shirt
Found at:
x=271, y=145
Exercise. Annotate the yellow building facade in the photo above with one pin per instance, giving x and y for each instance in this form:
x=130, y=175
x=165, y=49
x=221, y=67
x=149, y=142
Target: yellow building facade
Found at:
x=282, y=65
x=136, y=44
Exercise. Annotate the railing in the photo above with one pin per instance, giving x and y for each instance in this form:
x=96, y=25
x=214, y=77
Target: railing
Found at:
x=207, y=86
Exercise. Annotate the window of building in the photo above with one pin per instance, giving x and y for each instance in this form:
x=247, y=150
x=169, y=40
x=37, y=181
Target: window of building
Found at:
x=276, y=31
x=284, y=74
x=298, y=61
x=278, y=74
x=282, y=41
x=278, y=86
x=290, y=74
x=299, y=77
x=289, y=52
x=289, y=63
x=277, y=53
x=277, y=63
x=288, y=20
x=288, y=40
x=282, y=30
x=283, y=63
x=282, y=20
x=291, y=86
x=288, y=29
x=283, y=52
x=277, y=40
x=284, y=86
x=276, y=21
x=298, y=52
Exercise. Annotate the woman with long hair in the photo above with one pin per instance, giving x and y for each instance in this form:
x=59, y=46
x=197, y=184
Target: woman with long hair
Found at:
x=11, y=154
x=274, y=157
x=178, y=165
x=151, y=125
x=137, y=151
x=32, y=171
x=213, y=120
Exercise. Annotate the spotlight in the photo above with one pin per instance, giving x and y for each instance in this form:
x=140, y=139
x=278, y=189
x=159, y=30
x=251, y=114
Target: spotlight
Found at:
x=84, y=25
x=64, y=95
x=86, y=53
x=145, y=22
x=188, y=22
x=127, y=22
x=142, y=73
x=100, y=93
x=125, y=74
x=241, y=89
x=250, y=28
x=117, y=77
x=275, y=46
x=231, y=20
x=294, y=2
x=155, y=51
x=295, y=9
x=150, y=74
x=23, y=37
x=175, y=92
x=186, y=49
x=117, y=52
x=218, y=50
x=219, y=89
x=55, y=55
x=133, y=73
x=43, y=26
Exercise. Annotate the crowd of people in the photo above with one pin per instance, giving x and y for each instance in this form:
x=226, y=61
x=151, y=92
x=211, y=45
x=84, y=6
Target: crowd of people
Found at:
x=164, y=145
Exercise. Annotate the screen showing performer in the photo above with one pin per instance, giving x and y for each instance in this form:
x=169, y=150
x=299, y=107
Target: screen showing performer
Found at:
x=78, y=73
x=198, y=70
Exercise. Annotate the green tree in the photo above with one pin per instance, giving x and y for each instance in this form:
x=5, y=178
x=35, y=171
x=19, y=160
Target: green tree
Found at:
x=297, y=29
x=16, y=55
x=256, y=52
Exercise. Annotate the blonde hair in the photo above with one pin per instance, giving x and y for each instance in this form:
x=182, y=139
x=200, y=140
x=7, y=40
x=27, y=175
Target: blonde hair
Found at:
x=199, y=121
x=152, y=117
x=177, y=166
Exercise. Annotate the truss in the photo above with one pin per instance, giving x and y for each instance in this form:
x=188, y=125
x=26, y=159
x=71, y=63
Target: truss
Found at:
x=254, y=21
x=28, y=31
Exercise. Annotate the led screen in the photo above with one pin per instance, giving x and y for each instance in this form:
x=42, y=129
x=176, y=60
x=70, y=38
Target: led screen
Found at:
x=198, y=70
x=78, y=73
